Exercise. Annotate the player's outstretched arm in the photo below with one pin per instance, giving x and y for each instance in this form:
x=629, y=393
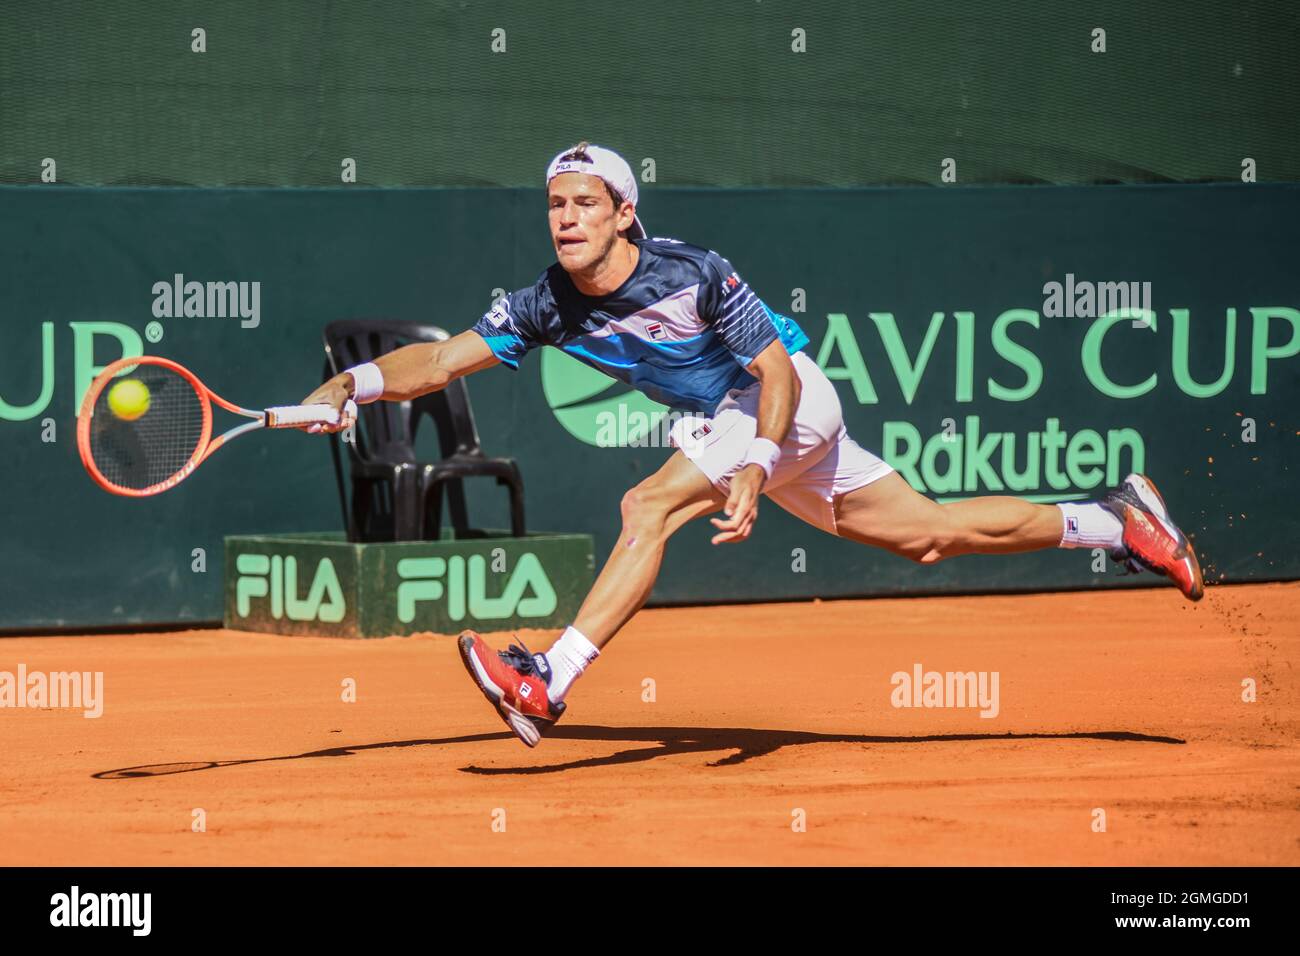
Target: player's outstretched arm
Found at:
x=406, y=373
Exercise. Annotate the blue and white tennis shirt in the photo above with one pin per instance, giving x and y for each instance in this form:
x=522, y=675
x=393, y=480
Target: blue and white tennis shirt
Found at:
x=681, y=329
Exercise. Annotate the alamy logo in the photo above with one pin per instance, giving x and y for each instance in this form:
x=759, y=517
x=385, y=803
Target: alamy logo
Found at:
x=276, y=578
x=601, y=411
x=208, y=300
x=597, y=409
x=74, y=908
x=66, y=689
x=463, y=583
x=1088, y=300
x=946, y=689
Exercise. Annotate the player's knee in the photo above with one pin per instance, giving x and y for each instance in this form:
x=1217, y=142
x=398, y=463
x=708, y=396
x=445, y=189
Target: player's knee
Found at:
x=643, y=510
x=921, y=550
x=925, y=548
x=934, y=555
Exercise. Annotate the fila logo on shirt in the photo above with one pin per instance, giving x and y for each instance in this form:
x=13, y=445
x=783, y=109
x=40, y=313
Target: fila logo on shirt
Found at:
x=1072, y=525
x=701, y=431
x=500, y=313
x=656, y=331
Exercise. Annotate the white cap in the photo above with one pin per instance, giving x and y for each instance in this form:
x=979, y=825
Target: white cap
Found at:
x=609, y=166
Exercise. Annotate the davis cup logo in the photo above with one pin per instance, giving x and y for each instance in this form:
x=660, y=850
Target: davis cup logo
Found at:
x=597, y=409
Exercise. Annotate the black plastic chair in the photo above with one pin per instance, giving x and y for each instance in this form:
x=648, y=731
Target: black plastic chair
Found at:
x=396, y=497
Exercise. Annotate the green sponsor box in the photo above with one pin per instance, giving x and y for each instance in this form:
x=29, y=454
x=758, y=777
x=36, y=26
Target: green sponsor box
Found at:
x=319, y=584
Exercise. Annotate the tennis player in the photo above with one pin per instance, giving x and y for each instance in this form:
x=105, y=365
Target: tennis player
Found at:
x=678, y=323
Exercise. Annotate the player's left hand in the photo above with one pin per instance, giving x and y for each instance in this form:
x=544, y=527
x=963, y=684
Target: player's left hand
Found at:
x=742, y=505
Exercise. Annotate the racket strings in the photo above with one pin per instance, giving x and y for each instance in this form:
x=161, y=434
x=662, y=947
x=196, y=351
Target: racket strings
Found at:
x=137, y=449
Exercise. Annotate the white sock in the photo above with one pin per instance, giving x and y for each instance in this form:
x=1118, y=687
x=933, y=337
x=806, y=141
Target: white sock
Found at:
x=1090, y=525
x=568, y=658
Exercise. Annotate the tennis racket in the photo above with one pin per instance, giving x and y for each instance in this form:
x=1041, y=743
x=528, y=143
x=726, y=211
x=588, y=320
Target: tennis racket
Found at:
x=146, y=424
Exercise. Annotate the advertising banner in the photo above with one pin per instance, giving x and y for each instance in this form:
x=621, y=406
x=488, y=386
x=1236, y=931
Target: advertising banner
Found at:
x=1041, y=342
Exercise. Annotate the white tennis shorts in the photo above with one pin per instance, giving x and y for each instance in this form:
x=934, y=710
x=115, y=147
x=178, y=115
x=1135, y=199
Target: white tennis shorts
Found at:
x=818, y=459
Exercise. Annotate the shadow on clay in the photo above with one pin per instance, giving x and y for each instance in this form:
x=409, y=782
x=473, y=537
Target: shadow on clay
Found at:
x=740, y=744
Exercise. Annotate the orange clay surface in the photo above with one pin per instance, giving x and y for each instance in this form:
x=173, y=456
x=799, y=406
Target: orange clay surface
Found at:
x=1125, y=701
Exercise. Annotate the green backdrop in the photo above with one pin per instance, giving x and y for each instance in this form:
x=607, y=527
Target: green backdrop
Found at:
x=875, y=267
x=724, y=93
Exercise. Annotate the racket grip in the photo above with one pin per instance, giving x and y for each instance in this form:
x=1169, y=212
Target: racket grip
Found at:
x=297, y=416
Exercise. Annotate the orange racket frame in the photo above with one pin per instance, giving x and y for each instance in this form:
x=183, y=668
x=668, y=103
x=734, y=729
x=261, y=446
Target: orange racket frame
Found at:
x=287, y=416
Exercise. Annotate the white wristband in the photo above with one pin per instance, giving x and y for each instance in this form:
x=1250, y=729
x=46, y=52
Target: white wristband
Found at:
x=763, y=452
x=367, y=383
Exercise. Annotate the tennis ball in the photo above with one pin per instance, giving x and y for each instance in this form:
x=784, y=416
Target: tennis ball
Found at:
x=129, y=399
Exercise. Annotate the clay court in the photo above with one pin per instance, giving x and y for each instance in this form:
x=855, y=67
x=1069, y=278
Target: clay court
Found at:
x=1129, y=701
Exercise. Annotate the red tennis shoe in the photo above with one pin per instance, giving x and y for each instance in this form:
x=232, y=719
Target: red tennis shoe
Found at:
x=1151, y=539
x=515, y=681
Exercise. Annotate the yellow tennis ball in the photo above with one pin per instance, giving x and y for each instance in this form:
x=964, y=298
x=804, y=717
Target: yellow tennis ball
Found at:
x=129, y=399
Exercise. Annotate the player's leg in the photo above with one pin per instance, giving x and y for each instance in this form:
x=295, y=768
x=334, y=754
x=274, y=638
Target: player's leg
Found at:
x=890, y=514
x=528, y=689
x=652, y=511
x=853, y=494
x=1132, y=522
